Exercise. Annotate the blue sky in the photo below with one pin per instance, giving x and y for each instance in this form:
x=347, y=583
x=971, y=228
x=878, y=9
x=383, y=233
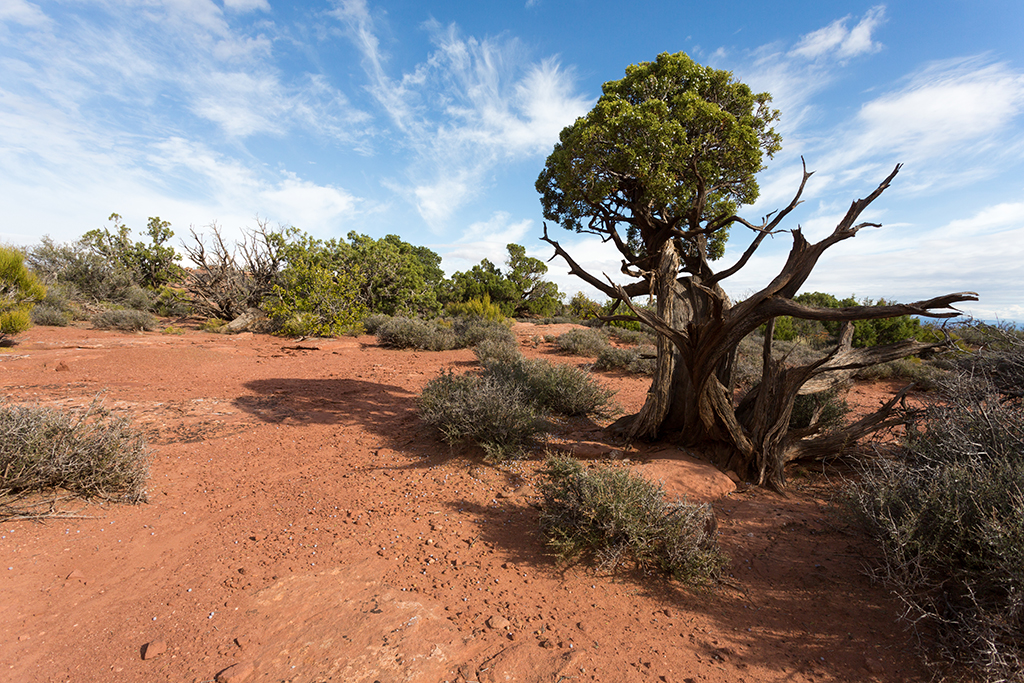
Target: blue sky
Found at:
x=431, y=120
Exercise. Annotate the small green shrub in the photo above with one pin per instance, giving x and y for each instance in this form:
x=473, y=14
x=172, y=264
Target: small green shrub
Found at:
x=314, y=300
x=492, y=352
x=125, y=319
x=213, y=325
x=612, y=516
x=171, y=329
x=476, y=308
x=582, y=342
x=90, y=455
x=494, y=414
x=19, y=292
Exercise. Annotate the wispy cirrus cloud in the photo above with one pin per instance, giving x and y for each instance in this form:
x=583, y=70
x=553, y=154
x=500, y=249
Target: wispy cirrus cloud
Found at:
x=470, y=105
x=838, y=42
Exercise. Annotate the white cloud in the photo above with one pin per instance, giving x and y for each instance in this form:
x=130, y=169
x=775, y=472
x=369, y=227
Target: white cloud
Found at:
x=471, y=104
x=247, y=5
x=22, y=12
x=835, y=40
x=945, y=109
x=484, y=240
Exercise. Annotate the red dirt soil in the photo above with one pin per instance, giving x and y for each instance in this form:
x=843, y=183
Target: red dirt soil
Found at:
x=304, y=522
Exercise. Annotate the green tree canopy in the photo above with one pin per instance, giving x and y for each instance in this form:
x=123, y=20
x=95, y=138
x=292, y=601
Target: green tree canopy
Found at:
x=523, y=290
x=669, y=151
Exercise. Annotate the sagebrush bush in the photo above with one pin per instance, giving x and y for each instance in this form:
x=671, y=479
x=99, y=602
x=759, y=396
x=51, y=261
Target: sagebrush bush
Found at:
x=494, y=414
x=45, y=314
x=373, y=322
x=612, y=517
x=89, y=455
x=582, y=342
x=472, y=331
x=632, y=337
x=126, y=319
x=949, y=516
x=412, y=333
x=637, y=361
x=501, y=408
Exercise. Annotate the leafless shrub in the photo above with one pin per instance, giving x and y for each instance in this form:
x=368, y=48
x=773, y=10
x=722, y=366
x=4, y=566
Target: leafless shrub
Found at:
x=89, y=455
x=229, y=280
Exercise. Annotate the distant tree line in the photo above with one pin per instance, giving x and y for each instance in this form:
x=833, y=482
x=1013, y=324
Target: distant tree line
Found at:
x=302, y=285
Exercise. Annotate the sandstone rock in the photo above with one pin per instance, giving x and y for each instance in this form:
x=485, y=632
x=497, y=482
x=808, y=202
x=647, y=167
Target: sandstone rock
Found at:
x=498, y=622
x=154, y=648
x=874, y=666
x=235, y=674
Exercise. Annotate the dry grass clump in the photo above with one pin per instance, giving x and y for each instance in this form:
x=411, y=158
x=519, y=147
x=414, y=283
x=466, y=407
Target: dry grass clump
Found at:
x=90, y=455
x=612, y=517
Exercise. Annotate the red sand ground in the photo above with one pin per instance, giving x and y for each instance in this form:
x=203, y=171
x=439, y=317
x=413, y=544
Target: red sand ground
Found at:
x=303, y=521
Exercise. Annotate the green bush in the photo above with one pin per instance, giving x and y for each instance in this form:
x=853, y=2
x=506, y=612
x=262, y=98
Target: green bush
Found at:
x=125, y=319
x=475, y=308
x=611, y=516
x=494, y=414
x=89, y=455
x=19, y=292
x=311, y=299
x=473, y=331
x=949, y=516
x=582, y=342
x=581, y=307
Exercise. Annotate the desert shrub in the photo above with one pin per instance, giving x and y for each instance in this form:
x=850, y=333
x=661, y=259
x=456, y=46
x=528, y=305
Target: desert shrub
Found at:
x=949, y=516
x=45, y=314
x=494, y=414
x=213, y=325
x=19, y=292
x=126, y=319
x=491, y=352
x=229, y=280
x=475, y=308
x=553, y=387
x=89, y=455
x=373, y=322
x=473, y=331
x=631, y=337
x=500, y=408
x=582, y=342
x=632, y=360
x=824, y=410
x=926, y=375
x=311, y=298
x=170, y=302
x=412, y=333
x=612, y=516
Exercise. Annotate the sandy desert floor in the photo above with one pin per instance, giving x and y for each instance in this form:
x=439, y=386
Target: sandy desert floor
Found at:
x=303, y=522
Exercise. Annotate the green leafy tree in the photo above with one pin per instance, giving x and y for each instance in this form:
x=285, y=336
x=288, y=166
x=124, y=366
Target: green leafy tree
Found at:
x=534, y=294
x=659, y=169
x=396, y=278
x=19, y=292
x=150, y=265
x=483, y=279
